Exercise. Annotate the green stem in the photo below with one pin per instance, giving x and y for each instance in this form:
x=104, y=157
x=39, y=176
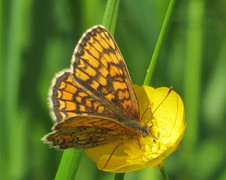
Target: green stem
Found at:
x=194, y=45
x=14, y=128
x=69, y=164
x=119, y=176
x=71, y=158
x=110, y=15
x=164, y=173
x=154, y=59
x=2, y=162
x=159, y=44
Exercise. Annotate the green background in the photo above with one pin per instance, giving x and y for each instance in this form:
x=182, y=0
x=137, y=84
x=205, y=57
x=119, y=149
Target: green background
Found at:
x=37, y=39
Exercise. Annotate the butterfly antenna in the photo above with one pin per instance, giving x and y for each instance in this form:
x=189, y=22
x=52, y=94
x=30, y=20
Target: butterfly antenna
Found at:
x=149, y=106
x=170, y=90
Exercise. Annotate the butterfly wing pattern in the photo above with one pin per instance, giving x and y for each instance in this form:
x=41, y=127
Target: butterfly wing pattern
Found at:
x=94, y=102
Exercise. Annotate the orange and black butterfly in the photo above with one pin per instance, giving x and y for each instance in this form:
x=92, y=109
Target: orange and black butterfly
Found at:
x=93, y=102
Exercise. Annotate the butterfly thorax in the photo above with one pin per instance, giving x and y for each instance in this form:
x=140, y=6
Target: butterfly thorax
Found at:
x=142, y=130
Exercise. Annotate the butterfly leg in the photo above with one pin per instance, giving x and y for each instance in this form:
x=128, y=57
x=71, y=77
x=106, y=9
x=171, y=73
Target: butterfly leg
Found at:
x=111, y=155
x=138, y=140
x=149, y=132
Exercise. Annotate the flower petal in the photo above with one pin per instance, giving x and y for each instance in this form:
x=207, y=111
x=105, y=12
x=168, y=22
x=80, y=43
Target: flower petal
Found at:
x=164, y=115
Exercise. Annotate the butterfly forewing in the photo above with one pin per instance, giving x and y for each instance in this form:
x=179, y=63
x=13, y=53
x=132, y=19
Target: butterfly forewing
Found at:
x=99, y=67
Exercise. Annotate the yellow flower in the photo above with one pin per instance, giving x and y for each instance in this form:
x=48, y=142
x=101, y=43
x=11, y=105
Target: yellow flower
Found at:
x=166, y=123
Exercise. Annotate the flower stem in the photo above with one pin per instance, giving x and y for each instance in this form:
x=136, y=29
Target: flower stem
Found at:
x=164, y=173
x=151, y=67
x=119, y=176
x=159, y=44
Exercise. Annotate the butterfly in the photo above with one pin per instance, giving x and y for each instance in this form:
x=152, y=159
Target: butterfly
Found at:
x=93, y=103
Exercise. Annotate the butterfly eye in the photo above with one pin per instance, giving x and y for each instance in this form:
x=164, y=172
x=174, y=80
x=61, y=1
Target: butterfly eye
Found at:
x=144, y=133
x=144, y=130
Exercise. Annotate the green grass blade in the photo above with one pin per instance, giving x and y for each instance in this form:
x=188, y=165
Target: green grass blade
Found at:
x=2, y=162
x=155, y=56
x=15, y=123
x=69, y=164
x=109, y=21
x=71, y=158
x=194, y=45
x=159, y=44
x=110, y=15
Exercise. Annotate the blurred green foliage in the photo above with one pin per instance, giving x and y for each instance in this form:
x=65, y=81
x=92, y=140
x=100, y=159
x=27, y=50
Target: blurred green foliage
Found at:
x=37, y=39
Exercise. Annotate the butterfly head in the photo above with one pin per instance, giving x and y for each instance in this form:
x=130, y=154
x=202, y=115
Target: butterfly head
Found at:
x=147, y=130
x=144, y=130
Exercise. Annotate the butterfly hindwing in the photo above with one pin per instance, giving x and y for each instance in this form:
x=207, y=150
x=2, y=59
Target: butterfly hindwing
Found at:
x=68, y=99
x=85, y=132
